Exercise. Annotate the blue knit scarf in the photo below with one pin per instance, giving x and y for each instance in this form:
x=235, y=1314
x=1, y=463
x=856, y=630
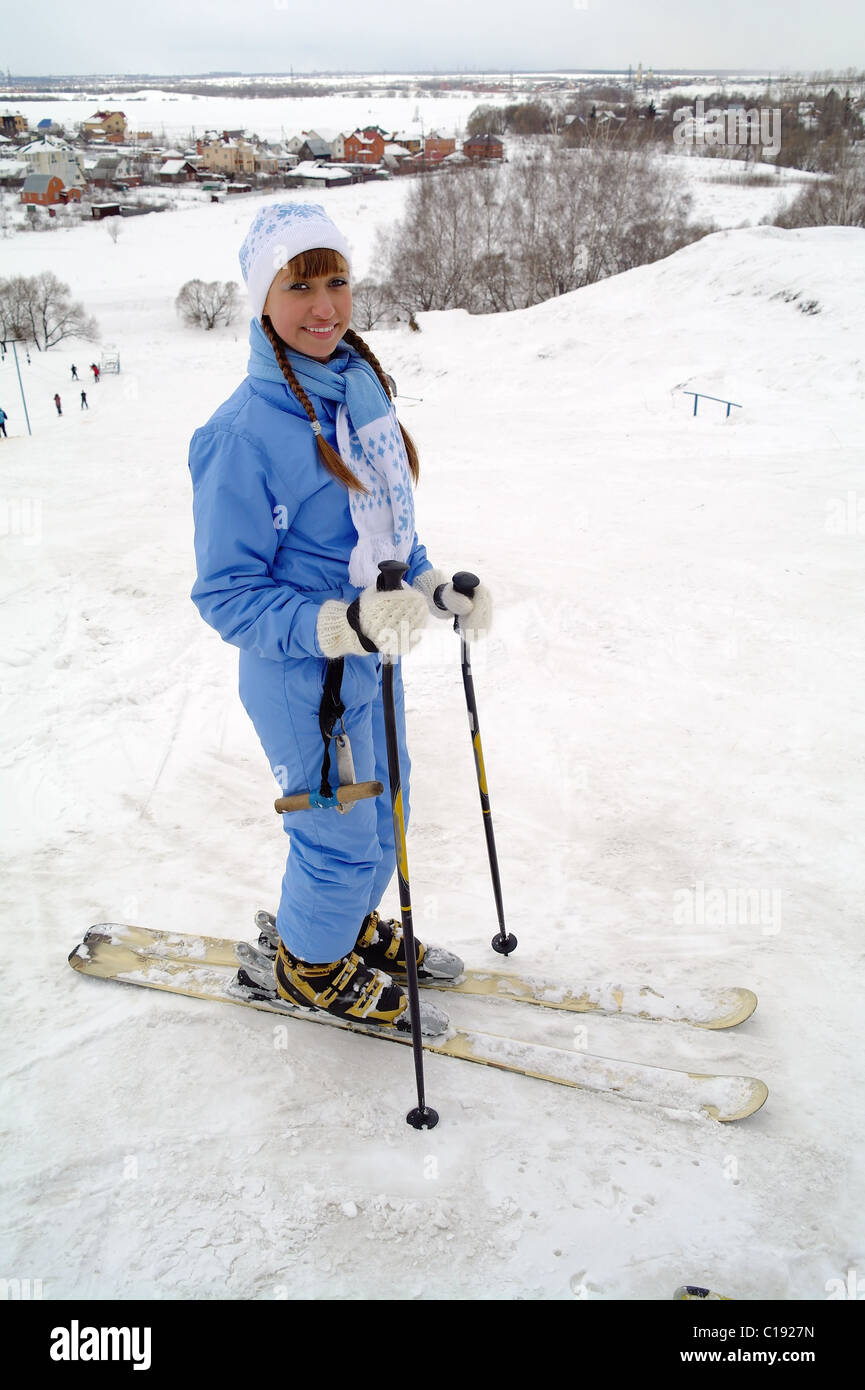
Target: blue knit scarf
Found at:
x=369, y=441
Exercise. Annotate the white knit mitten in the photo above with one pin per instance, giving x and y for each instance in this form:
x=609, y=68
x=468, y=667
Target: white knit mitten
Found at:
x=391, y=621
x=475, y=614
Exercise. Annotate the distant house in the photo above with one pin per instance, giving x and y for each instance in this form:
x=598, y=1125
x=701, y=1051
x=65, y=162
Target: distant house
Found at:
x=13, y=169
x=100, y=210
x=12, y=124
x=266, y=161
x=436, y=147
x=397, y=157
x=365, y=146
x=229, y=155
x=48, y=155
x=483, y=147
x=178, y=171
x=314, y=147
x=309, y=174
x=412, y=143
x=102, y=171
x=47, y=190
x=111, y=125
x=334, y=140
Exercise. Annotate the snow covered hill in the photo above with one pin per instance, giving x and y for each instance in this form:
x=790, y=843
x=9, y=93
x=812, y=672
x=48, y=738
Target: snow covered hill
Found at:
x=671, y=712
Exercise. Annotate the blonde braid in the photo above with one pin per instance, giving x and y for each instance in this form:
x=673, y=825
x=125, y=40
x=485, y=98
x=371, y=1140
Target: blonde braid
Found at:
x=354, y=340
x=329, y=457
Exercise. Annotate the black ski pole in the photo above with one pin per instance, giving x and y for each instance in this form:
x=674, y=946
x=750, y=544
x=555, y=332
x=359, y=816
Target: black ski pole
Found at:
x=504, y=942
x=423, y=1116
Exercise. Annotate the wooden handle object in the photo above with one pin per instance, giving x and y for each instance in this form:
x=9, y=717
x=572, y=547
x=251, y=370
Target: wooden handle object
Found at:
x=354, y=791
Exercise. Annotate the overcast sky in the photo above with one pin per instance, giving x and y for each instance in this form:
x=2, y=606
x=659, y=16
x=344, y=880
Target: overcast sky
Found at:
x=164, y=36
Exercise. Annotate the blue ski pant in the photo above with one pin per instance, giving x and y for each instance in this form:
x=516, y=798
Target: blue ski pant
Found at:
x=338, y=865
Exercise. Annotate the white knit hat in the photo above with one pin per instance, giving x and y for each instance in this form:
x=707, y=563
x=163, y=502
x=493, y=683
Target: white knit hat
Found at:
x=279, y=232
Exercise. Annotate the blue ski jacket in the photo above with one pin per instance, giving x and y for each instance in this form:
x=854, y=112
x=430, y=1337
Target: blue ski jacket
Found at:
x=273, y=530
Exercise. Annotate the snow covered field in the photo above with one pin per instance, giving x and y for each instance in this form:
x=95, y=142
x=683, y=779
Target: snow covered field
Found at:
x=361, y=101
x=671, y=710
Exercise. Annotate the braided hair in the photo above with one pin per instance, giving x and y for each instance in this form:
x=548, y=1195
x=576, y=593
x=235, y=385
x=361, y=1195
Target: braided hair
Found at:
x=307, y=265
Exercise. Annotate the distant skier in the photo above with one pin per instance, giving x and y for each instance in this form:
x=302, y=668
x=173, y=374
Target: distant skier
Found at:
x=3, y=419
x=84, y=405
x=74, y=372
x=57, y=403
x=95, y=370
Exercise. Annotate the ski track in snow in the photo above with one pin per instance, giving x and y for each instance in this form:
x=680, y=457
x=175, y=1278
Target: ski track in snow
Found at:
x=670, y=698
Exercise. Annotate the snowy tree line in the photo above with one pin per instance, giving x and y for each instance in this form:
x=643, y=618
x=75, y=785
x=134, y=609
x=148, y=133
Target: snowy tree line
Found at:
x=37, y=309
x=818, y=127
x=490, y=239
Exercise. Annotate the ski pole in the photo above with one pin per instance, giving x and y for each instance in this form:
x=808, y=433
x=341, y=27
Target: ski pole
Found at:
x=504, y=942
x=423, y=1116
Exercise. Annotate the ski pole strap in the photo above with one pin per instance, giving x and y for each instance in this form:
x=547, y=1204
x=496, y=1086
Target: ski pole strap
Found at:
x=353, y=617
x=330, y=710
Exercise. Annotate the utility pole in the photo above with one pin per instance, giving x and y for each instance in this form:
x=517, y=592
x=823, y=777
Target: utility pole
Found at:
x=13, y=341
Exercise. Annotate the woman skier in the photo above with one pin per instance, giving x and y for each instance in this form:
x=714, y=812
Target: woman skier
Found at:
x=302, y=483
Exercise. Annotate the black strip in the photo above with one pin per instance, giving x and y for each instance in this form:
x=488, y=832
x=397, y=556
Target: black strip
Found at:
x=353, y=615
x=329, y=711
x=437, y=599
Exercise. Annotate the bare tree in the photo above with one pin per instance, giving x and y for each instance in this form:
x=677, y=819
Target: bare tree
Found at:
x=371, y=305
x=506, y=237
x=113, y=228
x=204, y=305
x=429, y=258
x=38, y=310
x=834, y=202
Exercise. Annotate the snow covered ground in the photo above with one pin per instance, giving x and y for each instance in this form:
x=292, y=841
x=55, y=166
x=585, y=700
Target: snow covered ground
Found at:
x=671, y=709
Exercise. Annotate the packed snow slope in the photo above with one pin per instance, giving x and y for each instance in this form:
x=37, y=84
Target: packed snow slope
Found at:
x=671, y=711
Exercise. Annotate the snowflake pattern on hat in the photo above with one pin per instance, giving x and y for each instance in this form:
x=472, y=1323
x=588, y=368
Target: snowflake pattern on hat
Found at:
x=278, y=233
x=275, y=219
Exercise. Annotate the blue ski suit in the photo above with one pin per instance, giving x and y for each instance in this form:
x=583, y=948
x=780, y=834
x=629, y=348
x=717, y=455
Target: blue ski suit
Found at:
x=273, y=536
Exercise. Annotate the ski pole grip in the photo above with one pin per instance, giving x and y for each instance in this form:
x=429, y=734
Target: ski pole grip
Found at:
x=465, y=583
x=390, y=574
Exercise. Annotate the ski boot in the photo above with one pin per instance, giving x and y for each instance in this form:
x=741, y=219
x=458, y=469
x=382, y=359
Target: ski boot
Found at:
x=349, y=989
x=381, y=944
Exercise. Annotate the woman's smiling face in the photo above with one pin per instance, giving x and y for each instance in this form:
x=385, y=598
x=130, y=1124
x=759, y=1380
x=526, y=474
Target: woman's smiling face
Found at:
x=310, y=314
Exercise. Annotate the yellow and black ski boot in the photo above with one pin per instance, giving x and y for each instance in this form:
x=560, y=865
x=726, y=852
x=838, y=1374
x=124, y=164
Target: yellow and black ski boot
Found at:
x=350, y=989
x=382, y=945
